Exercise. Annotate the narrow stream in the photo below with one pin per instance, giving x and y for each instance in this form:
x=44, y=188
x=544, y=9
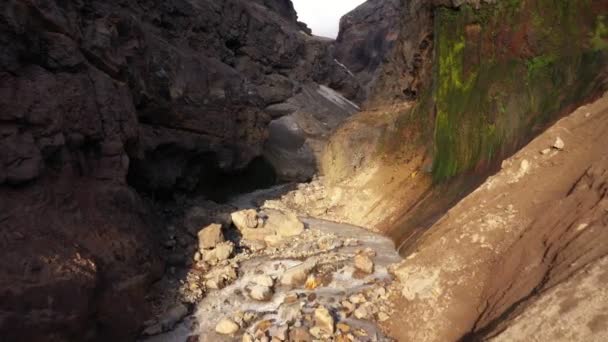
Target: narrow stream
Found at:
x=341, y=283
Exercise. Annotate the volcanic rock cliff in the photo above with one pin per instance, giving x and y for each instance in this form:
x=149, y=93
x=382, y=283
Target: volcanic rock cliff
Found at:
x=98, y=98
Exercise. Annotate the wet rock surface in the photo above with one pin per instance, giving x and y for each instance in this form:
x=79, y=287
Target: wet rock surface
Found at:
x=305, y=287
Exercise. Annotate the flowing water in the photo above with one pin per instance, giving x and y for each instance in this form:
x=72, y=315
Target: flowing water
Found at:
x=343, y=282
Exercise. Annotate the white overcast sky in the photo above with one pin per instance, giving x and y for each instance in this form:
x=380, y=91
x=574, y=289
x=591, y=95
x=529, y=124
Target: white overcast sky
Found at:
x=323, y=16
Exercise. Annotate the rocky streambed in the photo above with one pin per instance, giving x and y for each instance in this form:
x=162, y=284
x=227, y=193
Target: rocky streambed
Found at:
x=281, y=278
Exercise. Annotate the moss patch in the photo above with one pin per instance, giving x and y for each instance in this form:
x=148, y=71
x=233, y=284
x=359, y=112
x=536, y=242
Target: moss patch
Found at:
x=502, y=73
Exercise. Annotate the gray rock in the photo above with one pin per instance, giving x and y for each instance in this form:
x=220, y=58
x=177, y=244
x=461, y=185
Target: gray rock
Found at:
x=280, y=109
x=173, y=316
x=296, y=140
x=152, y=330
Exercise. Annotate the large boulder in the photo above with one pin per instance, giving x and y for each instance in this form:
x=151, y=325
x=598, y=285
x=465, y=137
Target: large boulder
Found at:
x=297, y=139
x=269, y=226
x=282, y=223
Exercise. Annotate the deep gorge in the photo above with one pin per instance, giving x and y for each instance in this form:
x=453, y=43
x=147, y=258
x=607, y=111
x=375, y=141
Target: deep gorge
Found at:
x=129, y=128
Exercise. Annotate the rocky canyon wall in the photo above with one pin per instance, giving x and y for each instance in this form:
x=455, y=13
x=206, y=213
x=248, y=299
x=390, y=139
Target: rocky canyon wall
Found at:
x=465, y=85
x=98, y=98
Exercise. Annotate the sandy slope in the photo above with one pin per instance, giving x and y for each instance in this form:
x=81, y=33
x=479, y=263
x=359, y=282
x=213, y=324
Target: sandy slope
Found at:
x=527, y=243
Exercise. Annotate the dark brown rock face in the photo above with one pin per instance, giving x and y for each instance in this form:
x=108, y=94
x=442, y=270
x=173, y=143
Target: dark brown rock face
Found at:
x=99, y=95
x=367, y=36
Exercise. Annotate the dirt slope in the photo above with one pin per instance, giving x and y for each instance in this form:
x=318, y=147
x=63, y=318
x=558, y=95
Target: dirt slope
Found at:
x=527, y=245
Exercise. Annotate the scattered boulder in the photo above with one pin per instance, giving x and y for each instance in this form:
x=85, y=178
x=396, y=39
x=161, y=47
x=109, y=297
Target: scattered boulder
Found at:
x=221, y=252
x=173, y=316
x=245, y=219
x=271, y=226
x=284, y=224
x=226, y=326
x=383, y=316
x=297, y=275
x=299, y=334
x=210, y=236
x=559, y=144
x=324, y=320
x=219, y=277
x=357, y=299
x=364, y=263
x=263, y=280
x=260, y=292
x=152, y=330
x=343, y=327
x=348, y=306
x=361, y=312
x=279, y=332
x=319, y=333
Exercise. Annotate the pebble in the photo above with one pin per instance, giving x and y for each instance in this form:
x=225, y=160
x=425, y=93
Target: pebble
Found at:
x=357, y=299
x=297, y=275
x=263, y=280
x=383, y=316
x=364, y=263
x=173, y=315
x=343, y=327
x=316, y=332
x=299, y=334
x=324, y=319
x=260, y=293
x=245, y=219
x=361, y=312
x=153, y=330
x=226, y=326
x=279, y=332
